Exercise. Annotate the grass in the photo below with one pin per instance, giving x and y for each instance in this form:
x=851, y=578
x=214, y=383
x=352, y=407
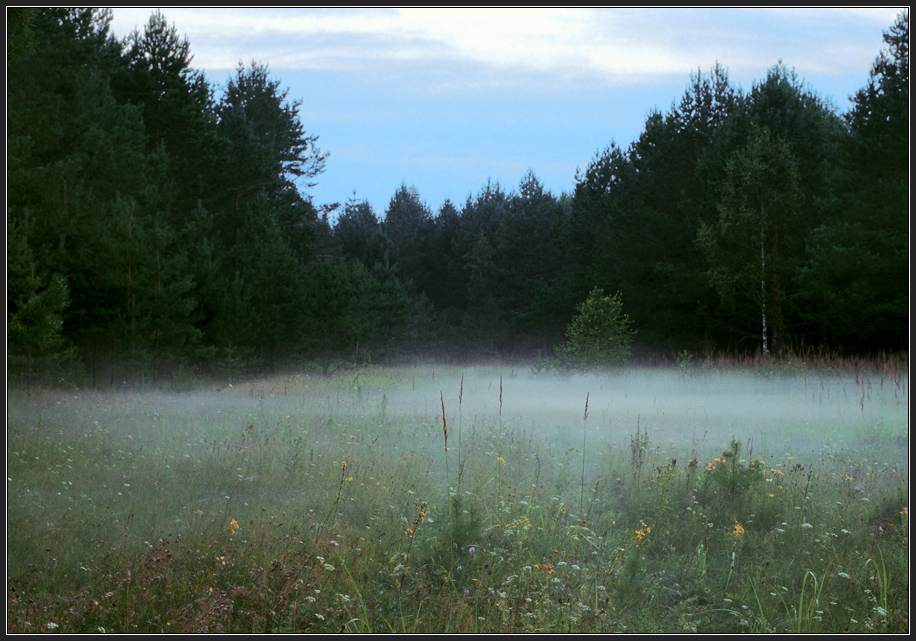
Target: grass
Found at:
x=727, y=499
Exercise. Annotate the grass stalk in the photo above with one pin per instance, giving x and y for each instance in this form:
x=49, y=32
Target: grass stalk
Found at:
x=448, y=482
x=584, y=432
x=332, y=515
x=460, y=458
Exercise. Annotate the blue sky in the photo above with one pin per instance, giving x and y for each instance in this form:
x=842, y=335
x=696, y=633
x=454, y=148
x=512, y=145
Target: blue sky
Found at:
x=444, y=100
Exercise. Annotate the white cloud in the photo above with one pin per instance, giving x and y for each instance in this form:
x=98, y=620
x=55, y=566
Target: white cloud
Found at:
x=504, y=45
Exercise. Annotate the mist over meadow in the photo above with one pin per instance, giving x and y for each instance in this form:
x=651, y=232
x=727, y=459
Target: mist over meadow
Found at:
x=462, y=482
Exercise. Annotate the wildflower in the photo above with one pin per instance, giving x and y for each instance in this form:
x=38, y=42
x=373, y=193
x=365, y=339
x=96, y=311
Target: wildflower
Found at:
x=233, y=526
x=501, y=460
x=642, y=533
x=472, y=550
x=739, y=530
x=807, y=525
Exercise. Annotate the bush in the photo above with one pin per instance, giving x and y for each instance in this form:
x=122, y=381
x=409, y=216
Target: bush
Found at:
x=600, y=335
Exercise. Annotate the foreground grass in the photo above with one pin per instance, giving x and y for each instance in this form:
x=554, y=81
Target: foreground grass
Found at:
x=423, y=501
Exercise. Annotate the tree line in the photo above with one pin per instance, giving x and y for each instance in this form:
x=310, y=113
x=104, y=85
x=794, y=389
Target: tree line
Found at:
x=156, y=221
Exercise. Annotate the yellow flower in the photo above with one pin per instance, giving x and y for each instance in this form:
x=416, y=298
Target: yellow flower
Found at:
x=642, y=533
x=233, y=526
x=501, y=460
x=739, y=530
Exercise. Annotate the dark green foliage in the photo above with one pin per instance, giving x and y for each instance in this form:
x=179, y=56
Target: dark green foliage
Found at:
x=181, y=224
x=758, y=225
x=855, y=285
x=636, y=213
x=20, y=40
x=359, y=234
x=178, y=110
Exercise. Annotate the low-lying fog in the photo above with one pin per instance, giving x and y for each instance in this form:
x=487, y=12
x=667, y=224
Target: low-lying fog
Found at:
x=776, y=416
x=804, y=416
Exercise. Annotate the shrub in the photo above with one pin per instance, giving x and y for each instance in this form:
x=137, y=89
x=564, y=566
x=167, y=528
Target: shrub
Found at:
x=600, y=334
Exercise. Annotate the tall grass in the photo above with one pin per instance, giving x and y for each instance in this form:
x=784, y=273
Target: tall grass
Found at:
x=312, y=504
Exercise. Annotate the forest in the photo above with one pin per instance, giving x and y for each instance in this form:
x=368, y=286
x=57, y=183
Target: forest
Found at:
x=157, y=223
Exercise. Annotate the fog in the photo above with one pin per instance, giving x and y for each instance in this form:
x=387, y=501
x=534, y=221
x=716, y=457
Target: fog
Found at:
x=803, y=417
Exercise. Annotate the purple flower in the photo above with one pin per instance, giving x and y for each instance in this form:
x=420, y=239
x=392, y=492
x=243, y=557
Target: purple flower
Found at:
x=472, y=550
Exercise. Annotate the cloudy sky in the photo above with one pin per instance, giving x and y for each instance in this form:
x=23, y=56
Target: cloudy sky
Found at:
x=444, y=99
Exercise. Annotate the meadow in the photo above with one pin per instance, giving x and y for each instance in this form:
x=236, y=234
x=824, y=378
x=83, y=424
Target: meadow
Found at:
x=436, y=498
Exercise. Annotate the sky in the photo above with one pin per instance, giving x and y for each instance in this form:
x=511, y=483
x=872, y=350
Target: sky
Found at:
x=445, y=100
